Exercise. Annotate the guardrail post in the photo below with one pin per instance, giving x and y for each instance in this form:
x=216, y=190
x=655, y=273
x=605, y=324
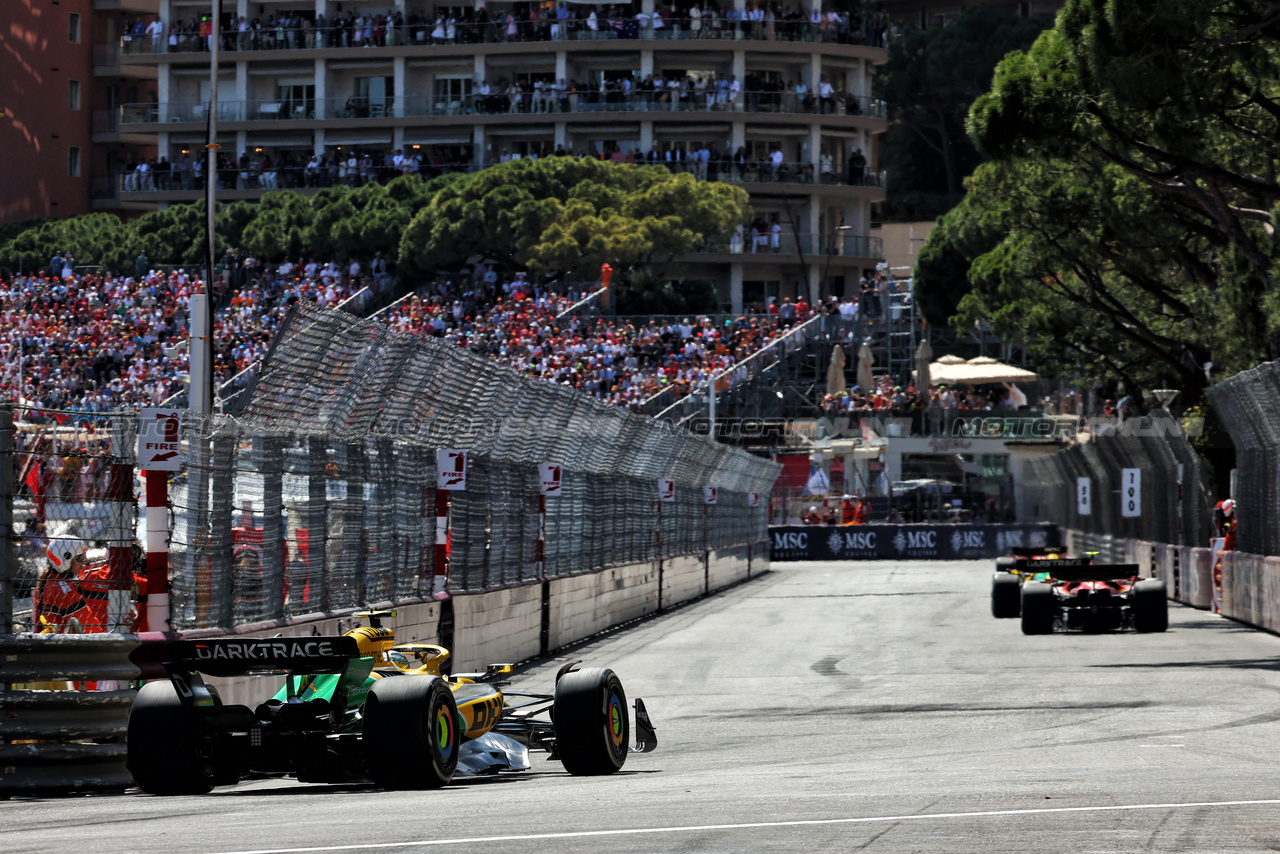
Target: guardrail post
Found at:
x=8, y=568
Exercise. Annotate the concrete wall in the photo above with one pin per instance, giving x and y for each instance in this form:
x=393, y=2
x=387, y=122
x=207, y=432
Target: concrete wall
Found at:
x=585, y=605
x=729, y=566
x=501, y=626
x=683, y=578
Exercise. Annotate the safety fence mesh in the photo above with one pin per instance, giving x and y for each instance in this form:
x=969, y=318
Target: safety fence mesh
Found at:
x=73, y=485
x=1248, y=405
x=1175, y=503
x=321, y=494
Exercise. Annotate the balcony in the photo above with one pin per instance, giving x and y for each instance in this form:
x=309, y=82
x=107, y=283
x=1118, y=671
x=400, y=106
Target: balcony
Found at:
x=251, y=182
x=693, y=104
x=308, y=37
x=763, y=246
x=144, y=7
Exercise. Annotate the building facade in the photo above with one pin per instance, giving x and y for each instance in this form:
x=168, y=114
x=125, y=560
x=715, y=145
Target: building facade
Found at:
x=333, y=92
x=60, y=72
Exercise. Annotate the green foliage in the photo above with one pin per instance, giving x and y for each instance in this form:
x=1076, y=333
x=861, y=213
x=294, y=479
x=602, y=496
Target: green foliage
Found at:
x=568, y=216
x=1134, y=183
x=645, y=295
x=941, y=277
x=931, y=79
x=89, y=238
x=337, y=222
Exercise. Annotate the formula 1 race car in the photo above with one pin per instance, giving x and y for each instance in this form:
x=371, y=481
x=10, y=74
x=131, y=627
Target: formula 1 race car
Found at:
x=357, y=708
x=1012, y=571
x=1094, y=598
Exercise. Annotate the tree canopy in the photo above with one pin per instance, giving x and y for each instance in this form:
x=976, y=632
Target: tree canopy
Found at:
x=337, y=222
x=931, y=79
x=1133, y=186
x=565, y=217
x=561, y=217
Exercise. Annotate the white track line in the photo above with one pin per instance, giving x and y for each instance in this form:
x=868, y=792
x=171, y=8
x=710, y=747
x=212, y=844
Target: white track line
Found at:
x=748, y=826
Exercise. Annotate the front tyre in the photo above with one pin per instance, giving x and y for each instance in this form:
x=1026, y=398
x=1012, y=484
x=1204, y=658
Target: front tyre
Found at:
x=163, y=754
x=593, y=726
x=411, y=733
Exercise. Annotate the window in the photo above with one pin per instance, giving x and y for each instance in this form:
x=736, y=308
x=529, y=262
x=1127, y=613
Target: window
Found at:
x=73, y=162
x=73, y=32
x=73, y=95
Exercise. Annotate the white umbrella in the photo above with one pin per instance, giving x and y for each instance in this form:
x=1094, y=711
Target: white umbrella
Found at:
x=835, y=371
x=865, y=360
x=982, y=369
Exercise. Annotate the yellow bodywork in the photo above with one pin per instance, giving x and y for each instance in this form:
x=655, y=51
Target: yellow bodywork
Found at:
x=479, y=705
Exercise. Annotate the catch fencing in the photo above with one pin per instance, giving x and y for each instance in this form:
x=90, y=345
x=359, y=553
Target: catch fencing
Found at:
x=1248, y=405
x=1174, y=502
x=69, y=477
x=321, y=494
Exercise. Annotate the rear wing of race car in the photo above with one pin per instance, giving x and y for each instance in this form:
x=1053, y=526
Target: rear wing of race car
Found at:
x=1097, y=572
x=186, y=660
x=1032, y=551
x=1049, y=565
x=243, y=656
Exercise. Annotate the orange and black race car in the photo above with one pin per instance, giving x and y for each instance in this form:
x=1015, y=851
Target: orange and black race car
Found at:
x=1022, y=564
x=360, y=708
x=1094, y=598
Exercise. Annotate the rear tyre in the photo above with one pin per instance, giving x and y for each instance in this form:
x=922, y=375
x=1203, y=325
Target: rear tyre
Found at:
x=163, y=755
x=1006, y=596
x=1005, y=564
x=1150, y=605
x=1038, y=604
x=411, y=733
x=593, y=727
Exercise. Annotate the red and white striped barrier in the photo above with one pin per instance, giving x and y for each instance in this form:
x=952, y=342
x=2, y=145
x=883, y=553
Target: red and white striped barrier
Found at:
x=120, y=548
x=442, y=541
x=157, y=510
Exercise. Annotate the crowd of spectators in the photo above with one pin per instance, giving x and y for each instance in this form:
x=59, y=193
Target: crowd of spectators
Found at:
x=92, y=342
x=89, y=342
x=769, y=21
x=611, y=359
x=885, y=394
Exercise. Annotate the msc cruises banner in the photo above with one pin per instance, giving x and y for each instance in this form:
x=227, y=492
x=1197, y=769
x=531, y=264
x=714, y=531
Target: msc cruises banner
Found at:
x=911, y=542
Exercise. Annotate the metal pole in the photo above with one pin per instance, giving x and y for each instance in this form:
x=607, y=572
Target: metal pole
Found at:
x=200, y=384
x=8, y=569
x=711, y=406
x=201, y=397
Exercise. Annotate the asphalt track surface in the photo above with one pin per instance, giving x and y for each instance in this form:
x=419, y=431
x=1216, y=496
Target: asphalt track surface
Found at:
x=858, y=707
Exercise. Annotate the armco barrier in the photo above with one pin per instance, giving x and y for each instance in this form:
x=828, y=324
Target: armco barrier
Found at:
x=49, y=736
x=1196, y=587
x=1251, y=589
x=904, y=542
